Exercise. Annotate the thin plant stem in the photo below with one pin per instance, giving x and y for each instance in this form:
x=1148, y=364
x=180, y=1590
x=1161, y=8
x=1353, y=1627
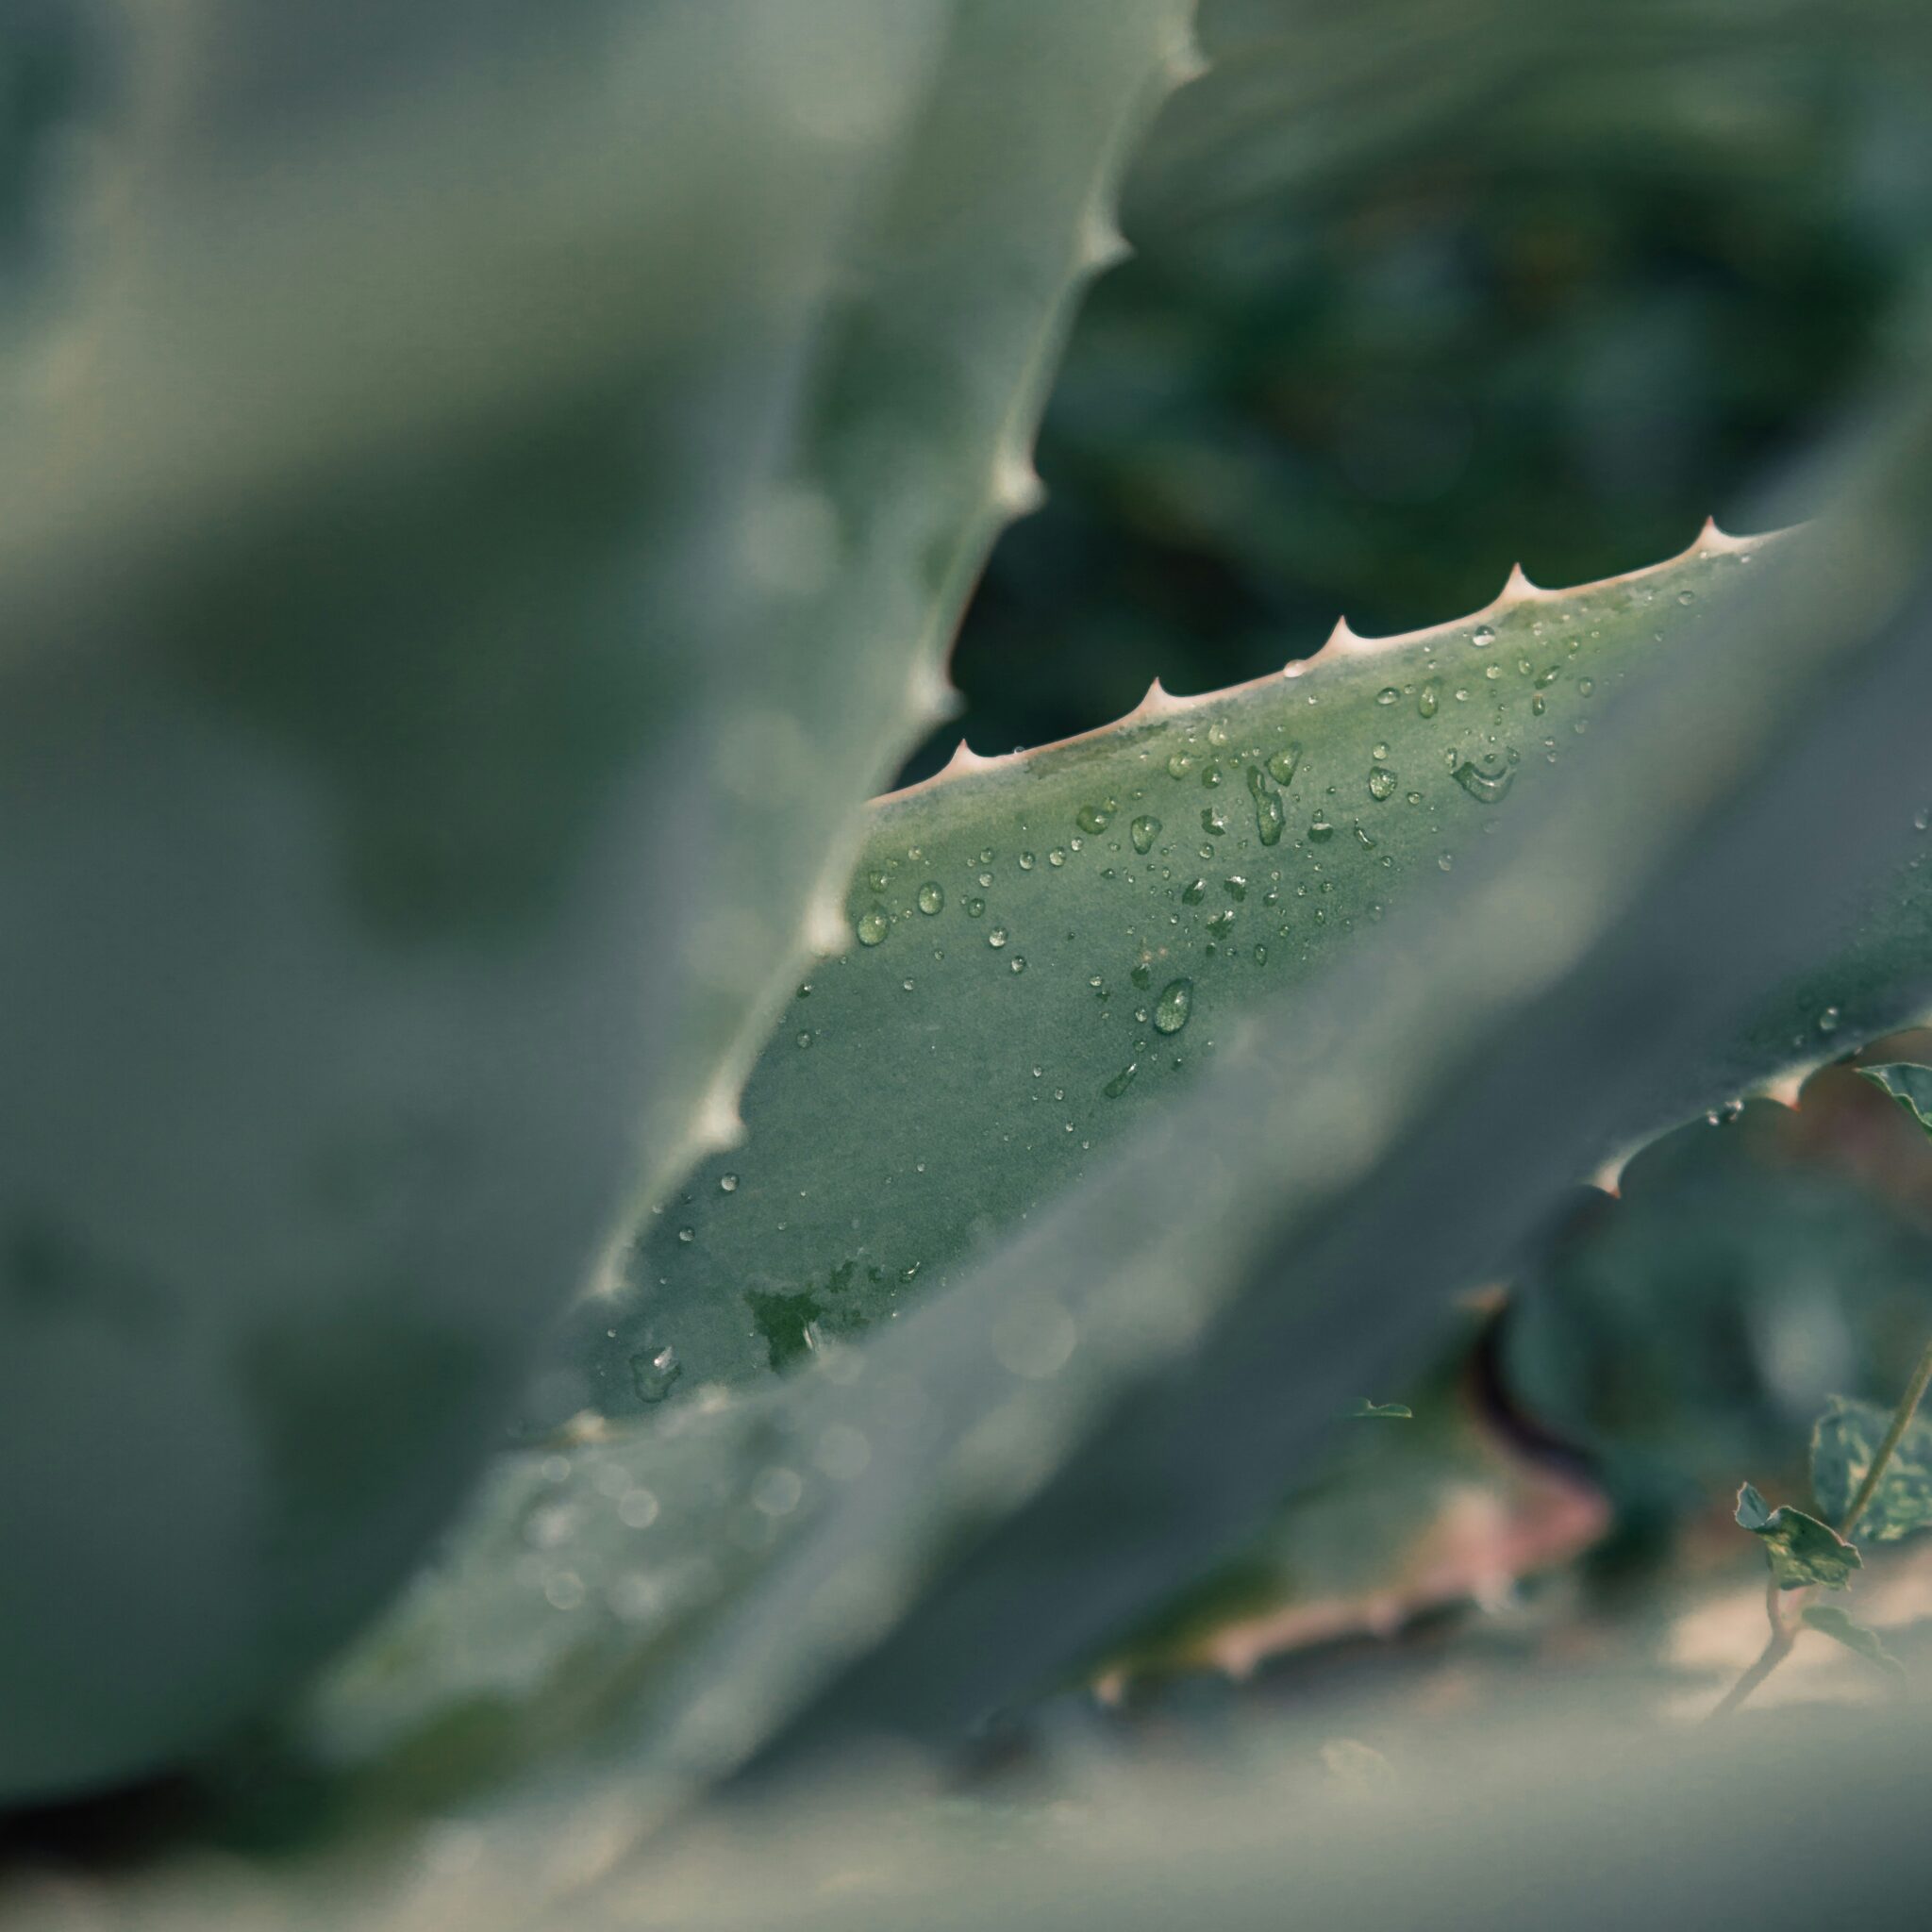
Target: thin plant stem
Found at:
x=1901, y=1421
x=1777, y=1646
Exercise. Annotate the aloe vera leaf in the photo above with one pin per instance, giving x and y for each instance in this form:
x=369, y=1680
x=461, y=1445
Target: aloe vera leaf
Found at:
x=358, y=858
x=1051, y=946
x=1286, y=1237
x=892, y=1456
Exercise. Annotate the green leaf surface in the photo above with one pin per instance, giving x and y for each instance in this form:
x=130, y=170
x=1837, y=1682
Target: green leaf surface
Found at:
x=1051, y=946
x=1843, y=1444
x=1910, y=1086
x=1800, y=1549
x=1832, y=1621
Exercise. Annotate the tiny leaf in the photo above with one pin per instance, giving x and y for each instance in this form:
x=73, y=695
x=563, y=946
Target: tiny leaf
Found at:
x=1910, y=1086
x=1844, y=1441
x=1834, y=1622
x=1800, y=1549
x=1400, y=1412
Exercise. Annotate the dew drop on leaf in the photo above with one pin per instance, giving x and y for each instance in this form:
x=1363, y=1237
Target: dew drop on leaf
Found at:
x=932, y=897
x=1485, y=786
x=873, y=928
x=1090, y=818
x=1381, y=782
x=1143, y=832
x=997, y=936
x=1177, y=1001
x=1282, y=763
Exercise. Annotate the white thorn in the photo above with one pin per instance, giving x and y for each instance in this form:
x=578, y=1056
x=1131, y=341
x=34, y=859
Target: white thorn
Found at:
x=825, y=931
x=1159, y=703
x=1184, y=60
x=1610, y=1177
x=1016, y=485
x=964, y=759
x=1710, y=539
x=718, y=1123
x=1342, y=640
x=930, y=694
x=1517, y=587
x=1101, y=244
x=1784, y=1090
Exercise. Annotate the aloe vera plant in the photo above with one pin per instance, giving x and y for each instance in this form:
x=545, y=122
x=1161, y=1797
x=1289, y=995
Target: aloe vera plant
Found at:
x=917, y=1244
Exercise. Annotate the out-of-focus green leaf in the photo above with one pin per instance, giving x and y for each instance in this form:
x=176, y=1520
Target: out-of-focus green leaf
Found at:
x=394, y=779
x=1800, y=1549
x=1910, y=1086
x=1832, y=1621
x=1843, y=1446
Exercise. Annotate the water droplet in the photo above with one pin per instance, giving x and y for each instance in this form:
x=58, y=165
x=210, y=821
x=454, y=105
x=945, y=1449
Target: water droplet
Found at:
x=1482, y=636
x=1193, y=894
x=1486, y=785
x=1178, y=764
x=1122, y=1081
x=1019, y=962
x=1687, y=597
x=932, y=897
x=1269, y=814
x=805, y=1040
x=1213, y=822
x=875, y=880
x=1830, y=1020
x=1428, y=698
x=974, y=907
x=1056, y=856
x=687, y=1234
x=1282, y=763
x=873, y=927
x=1381, y=782
x=1143, y=832
x=1237, y=887
x=997, y=936
x=1217, y=734
x=1090, y=818
x=1320, y=829
x=1025, y=861
x=1387, y=695
x=1177, y=1001
x=727, y=1184
x=1141, y=975
x=654, y=1374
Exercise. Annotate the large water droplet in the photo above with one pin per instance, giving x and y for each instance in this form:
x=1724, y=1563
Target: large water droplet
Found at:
x=1381, y=782
x=997, y=936
x=1269, y=814
x=1320, y=829
x=873, y=927
x=1122, y=1081
x=1143, y=832
x=1193, y=894
x=727, y=1184
x=1213, y=822
x=1177, y=1001
x=654, y=1373
x=1178, y=764
x=932, y=897
x=1485, y=784
x=1281, y=764
x=1090, y=818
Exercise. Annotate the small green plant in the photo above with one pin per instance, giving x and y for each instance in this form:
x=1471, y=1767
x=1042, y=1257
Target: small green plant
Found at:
x=1870, y=1475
